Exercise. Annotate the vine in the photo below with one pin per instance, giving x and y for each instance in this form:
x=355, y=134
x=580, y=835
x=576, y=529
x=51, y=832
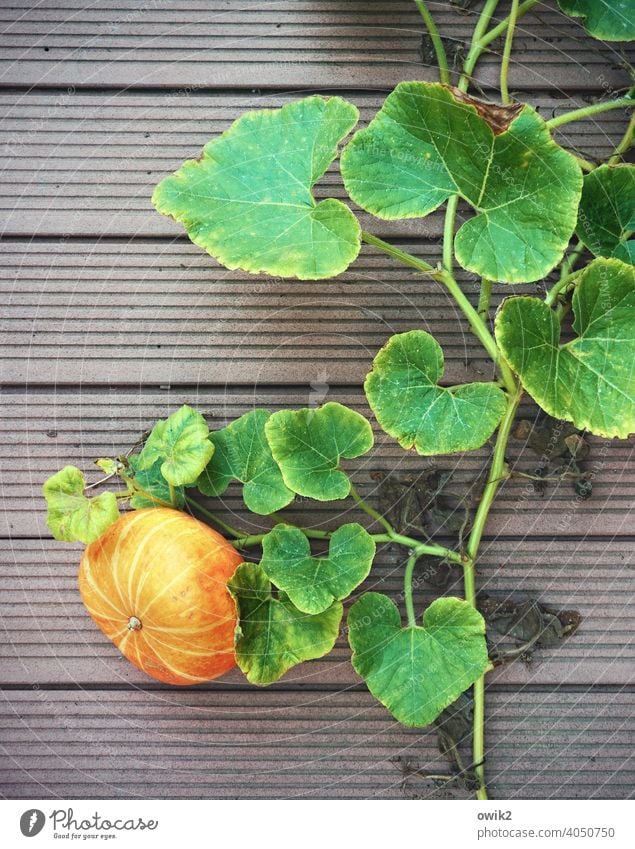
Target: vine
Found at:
x=248, y=201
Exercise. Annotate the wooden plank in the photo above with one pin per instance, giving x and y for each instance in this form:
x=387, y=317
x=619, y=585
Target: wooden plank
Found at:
x=138, y=313
x=82, y=164
x=51, y=639
x=541, y=744
x=71, y=426
x=277, y=43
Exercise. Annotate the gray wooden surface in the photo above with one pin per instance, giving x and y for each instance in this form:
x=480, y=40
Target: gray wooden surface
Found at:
x=110, y=319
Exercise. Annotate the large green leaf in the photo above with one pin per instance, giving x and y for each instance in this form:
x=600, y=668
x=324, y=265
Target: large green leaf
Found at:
x=416, y=672
x=242, y=453
x=248, y=199
x=71, y=515
x=314, y=583
x=152, y=482
x=606, y=218
x=590, y=380
x=273, y=635
x=182, y=445
x=403, y=392
x=308, y=445
x=610, y=20
x=430, y=142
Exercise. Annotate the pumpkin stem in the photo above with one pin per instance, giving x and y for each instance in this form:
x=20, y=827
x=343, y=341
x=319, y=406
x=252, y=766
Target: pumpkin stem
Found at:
x=134, y=624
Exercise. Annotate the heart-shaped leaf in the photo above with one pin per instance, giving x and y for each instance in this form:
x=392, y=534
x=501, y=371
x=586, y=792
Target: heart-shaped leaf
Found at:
x=71, y=515
x=182, y=445
x=152, y=482
x=308, y=445
x=416, y=672
x=242, y=453
x=314, y=583
x=248, y=201
x=403, y=392
x=606, y=218
x=273, y=635
x=610, y=20
x=590, y=380
x=430, y=142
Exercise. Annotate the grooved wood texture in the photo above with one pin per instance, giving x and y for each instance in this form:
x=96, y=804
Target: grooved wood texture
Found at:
x=110, y=319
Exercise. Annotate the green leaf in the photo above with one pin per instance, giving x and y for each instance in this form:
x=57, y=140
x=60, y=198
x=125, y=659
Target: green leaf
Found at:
x=71, y=515
x=590, y=380
x=273, y=635
x=610, y=20
x=152, y=481
x=242, y=453
x=606, y=218
x=314, y=583
x=248, y=201
x=416, y=672
x=308, y=445
x=430, y=142
x=108, y=465
x=403, y=392
x=182, y=445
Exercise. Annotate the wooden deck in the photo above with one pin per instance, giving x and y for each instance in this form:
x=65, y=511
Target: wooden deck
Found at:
x=111, y=318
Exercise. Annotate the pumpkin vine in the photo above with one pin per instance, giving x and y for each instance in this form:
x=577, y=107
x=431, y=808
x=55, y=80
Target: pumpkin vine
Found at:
x=538, y=213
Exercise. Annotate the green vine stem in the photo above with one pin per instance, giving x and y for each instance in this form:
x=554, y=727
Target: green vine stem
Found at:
x=626, y=143
x=507, y=52
x=484, y=299
x=437, y=43
x=497, y=474
x=476, y=46
x=442, y=275
x=588, y=111
x=407, y=590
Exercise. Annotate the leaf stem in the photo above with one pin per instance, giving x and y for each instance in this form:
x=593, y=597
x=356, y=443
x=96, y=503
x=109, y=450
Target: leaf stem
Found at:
x=437, y=43
x=172, y=492
x=448, y=233
x=587, y=111
x=443, y=276
x=212, y=518
x=507, y=52
x=625, y=144
x=407, y=590
x=370, y=511
x=566, y=275
x=476, y=46
x=484, y=299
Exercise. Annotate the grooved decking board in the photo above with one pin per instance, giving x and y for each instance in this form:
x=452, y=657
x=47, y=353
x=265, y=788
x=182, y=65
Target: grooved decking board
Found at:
x=167, y=313
x=72, y=427
x=539, y=744
x=278, y=43
x=79, y=164
x=50, y=639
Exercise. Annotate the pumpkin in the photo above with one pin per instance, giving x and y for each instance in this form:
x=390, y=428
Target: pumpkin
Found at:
x=156, y=584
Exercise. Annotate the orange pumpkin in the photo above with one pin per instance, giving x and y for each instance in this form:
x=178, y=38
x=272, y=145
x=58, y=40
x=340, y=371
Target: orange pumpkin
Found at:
x=156, y=584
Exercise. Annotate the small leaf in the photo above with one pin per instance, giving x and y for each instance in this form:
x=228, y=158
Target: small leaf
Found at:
x=606, y=218
x=152, y=481
x=242, y=453
x=72, y=516
x=248, y=201
x=430, y=142
x=590, y=380
x=610, y=20
x=308, y=445
x=416, y=672
x=273, y=635
x=403, y=392
x=181, y=443
x=314, y=583
x=108, y=466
